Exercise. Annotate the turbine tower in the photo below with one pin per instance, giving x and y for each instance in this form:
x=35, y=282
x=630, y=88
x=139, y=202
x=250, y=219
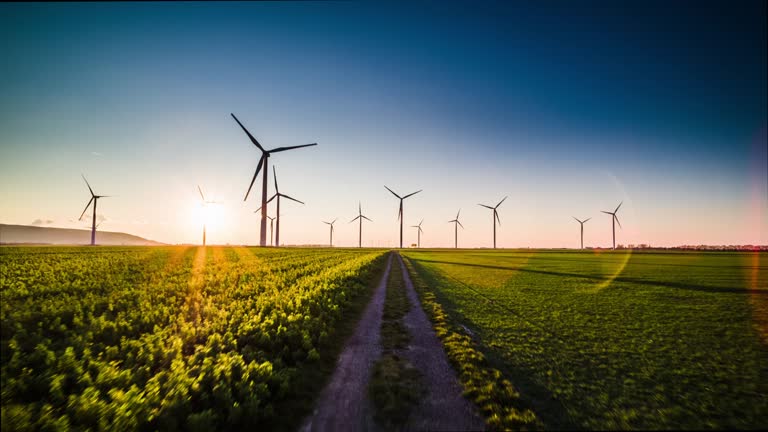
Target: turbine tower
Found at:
x=614, y=220
x=495, y=218
x=94, y=199
x=263, y=163
x=361, y=217
x=277, y=195
x=400, y=213
x=205, y=205
x=456, y=224
x=418, y=233
x=582, y=222
x=331, y=224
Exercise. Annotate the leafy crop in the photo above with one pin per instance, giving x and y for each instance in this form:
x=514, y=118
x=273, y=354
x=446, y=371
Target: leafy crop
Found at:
x=170, y=338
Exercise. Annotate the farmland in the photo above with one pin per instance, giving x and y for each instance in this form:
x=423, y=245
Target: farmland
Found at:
x=171, y=338
x=612, y=340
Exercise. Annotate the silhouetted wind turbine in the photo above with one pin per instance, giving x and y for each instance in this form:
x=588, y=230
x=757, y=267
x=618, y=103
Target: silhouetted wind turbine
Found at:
x=495, y=218
x=205, y=204
x=331, y=224
x=278, y=195
x=360, y=217
x=271, y=225
x=263, y=162
x=614, y=220
x=456, y=224
x=94, y=199
x=582, y=222
x=418, y=233
x=400, y=213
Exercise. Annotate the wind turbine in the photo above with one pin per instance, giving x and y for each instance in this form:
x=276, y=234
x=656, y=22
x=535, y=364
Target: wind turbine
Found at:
x=205, y=205
x=400, y=213
x=456, y=224
x=495, y=218
x=582, y=222
x=271, y=225
x=331, y=224
x=361, y=217
x=263, y=163
x=418, y=233
x=95, y=200
x=278, y=195
x=614, y=220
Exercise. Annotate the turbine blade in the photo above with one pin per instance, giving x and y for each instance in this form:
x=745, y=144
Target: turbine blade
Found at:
x=422, y=221
x=421, y=230
x=257, y=210
x=89, y=186
x=392, y=192
x=359, y=208
x=356, y=218
x=488, y=207
x=577, y=219
x=617, y=221
x=412, y=194
x=274, y=171
x=293, y=199
x=201, y=192
x=617, y=208
x=86, y=208
x=495, y=213
x=497, y=205
x=334, y=221
x=585, y=220
x=253, y=140
x=327, y=223
x=457, y=214
x=606, y=212
x=279, y=149
x=271, y=198
x=258, y=168
x=462, y=226
x=366, y=218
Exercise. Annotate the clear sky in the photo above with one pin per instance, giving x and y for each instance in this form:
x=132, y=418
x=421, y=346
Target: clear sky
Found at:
x=567, y=107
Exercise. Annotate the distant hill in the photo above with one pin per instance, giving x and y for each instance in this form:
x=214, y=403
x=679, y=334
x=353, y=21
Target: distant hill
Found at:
x=23, y=234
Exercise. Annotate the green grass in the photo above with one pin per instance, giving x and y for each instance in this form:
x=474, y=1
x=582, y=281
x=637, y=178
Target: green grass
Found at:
x=669, y=340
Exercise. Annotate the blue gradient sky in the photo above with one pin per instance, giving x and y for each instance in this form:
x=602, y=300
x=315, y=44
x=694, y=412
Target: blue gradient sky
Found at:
x=567, y=107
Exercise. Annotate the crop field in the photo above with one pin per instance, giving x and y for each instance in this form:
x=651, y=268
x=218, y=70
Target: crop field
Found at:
x=171, y=338
x=614, y=340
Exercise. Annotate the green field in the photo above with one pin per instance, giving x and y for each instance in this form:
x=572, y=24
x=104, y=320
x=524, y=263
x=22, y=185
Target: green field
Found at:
x=173, y=338
x=615, y=340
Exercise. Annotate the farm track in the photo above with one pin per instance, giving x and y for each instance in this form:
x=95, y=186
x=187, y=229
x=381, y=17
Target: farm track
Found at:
x=343, y=404
x=444, y=407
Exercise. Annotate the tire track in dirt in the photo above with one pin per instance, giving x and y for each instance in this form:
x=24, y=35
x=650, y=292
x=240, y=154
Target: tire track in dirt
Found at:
x=343, y=404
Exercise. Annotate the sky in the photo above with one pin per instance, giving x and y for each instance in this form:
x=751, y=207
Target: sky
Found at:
x=565, y=107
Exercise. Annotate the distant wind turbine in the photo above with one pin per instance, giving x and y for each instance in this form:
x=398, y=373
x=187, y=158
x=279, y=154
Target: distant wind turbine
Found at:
x=582, y=222
x=418, y=233
x=271, y=225
x=277, y=195
x=400, y=212
x=205, y=204
x=331, y=224
x=263, y=163
x=495, y=218
x=614, y=221
x=94, y=199
x=360, y=217
x=456, y=224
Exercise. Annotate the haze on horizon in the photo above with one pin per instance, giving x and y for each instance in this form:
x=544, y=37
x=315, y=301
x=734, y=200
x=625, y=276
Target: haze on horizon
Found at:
x=568, y=108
